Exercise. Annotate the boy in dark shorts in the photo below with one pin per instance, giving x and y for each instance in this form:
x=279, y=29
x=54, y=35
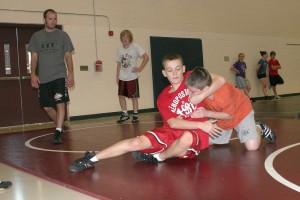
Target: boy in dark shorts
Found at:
x=232, y=110
x=128, y=73
x=180, y=136
x=275, y=78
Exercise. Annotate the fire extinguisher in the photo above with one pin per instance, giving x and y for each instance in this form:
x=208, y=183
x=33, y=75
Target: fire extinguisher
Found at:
x=98, y=66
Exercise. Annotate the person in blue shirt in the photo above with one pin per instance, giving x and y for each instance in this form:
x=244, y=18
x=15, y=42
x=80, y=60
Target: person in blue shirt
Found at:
x=239, y=67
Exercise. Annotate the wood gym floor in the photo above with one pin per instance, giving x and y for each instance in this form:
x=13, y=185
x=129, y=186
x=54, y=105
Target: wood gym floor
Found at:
x=39, y=170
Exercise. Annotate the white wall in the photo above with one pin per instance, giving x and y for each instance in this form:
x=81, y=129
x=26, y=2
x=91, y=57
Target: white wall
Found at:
x=225, y=27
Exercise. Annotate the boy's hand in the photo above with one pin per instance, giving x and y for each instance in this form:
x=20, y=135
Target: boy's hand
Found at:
x=212, y=129
x=200, y=113
x=135, y=69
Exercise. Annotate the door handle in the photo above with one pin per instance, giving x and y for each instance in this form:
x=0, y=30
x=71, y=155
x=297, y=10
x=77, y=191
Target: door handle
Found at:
x=25, y=77
x=12, y=78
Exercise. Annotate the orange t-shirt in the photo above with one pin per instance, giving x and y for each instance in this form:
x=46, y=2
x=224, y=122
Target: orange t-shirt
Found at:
x=232, y=101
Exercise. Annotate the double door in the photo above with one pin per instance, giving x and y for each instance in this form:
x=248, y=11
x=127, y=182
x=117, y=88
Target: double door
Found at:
x=18, y=100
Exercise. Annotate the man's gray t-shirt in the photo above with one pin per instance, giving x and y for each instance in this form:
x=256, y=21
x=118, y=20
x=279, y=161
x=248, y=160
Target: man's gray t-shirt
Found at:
x=51, y=47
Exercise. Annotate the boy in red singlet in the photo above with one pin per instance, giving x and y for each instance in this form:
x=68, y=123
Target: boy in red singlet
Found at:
x=180, y=136
x=231, y=108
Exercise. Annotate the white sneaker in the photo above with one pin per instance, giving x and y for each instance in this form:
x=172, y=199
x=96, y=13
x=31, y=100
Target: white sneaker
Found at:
x=278, y=97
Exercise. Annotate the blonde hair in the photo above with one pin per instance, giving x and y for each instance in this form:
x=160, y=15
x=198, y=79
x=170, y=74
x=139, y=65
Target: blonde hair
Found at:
x=128, y=33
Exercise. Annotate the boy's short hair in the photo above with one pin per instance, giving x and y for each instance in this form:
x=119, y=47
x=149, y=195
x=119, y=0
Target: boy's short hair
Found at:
x=199, y=78
x=128, y=33
x=48, y=11
x=171, y=56
x=272, y=53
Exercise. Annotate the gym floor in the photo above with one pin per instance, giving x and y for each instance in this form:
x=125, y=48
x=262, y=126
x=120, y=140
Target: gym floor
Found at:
x=39, y=169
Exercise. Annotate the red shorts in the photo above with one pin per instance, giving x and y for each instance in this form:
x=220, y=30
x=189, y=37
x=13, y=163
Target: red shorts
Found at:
x=129, y=89
x=162, y=138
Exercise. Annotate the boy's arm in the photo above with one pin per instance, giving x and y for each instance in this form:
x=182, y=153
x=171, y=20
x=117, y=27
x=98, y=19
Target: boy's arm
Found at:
x=209, y=126
x=234, y=69
x=202, y=112
x=144, y=62
x=217, y=82
x=118, y=72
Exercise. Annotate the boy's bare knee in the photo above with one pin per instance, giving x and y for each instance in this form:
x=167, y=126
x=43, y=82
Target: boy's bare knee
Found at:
x=186, y=140
x=252, y=146
x=139, y=143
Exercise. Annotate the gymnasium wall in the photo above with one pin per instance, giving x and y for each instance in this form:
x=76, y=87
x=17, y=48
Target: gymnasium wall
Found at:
x=225, y=27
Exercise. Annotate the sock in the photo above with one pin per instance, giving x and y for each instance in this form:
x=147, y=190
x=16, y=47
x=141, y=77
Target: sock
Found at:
x=125, y=112
x=158, y=158
x=94, y=159
x=59, y=129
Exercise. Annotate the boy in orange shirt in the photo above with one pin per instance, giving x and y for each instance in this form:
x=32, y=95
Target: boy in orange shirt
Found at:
x=231, y=108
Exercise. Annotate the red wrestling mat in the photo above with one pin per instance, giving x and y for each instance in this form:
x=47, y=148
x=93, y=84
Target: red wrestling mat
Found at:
x=220, y=172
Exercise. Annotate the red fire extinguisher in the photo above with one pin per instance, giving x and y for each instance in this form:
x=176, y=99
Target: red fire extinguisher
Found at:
x=98, y=66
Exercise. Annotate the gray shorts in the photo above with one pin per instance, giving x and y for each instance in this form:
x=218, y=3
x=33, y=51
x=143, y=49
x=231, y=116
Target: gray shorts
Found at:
x=246, y=130
x=242, y=82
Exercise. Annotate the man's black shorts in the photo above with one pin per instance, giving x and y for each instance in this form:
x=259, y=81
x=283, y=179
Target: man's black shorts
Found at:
x=53, y=93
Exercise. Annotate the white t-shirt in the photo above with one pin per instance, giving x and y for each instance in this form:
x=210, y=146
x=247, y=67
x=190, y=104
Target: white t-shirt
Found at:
x=128, y=59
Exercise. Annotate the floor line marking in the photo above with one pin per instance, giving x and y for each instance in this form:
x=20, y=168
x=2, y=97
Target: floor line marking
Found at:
x=270, y=169
x=27, y=143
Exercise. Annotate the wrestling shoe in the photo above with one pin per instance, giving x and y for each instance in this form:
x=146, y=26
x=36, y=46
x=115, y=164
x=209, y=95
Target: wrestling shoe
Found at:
x=277, y=97
x=83, y=163
x=135, y=119
x=123, y=118
x=57, y=137
x=144, y=157
x=266, y=132
x=5, y=185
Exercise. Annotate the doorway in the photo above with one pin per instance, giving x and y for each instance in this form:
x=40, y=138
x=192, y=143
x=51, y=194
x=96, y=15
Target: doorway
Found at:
x=18, y=100
x=189, y=48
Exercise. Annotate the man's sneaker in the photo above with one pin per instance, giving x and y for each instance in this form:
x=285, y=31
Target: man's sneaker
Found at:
x=266, y=132
x=135, y=119
x=5, y=185
x=123, y=118
x=57, y=137
x=83, y=163
x=278, y=97
x=144, y=157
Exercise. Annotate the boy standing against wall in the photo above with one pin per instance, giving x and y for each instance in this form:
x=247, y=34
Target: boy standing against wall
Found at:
x=128, y=73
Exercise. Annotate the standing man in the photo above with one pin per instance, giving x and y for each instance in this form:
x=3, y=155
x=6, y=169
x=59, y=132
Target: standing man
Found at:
x=50, y=48
x=128, y=73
